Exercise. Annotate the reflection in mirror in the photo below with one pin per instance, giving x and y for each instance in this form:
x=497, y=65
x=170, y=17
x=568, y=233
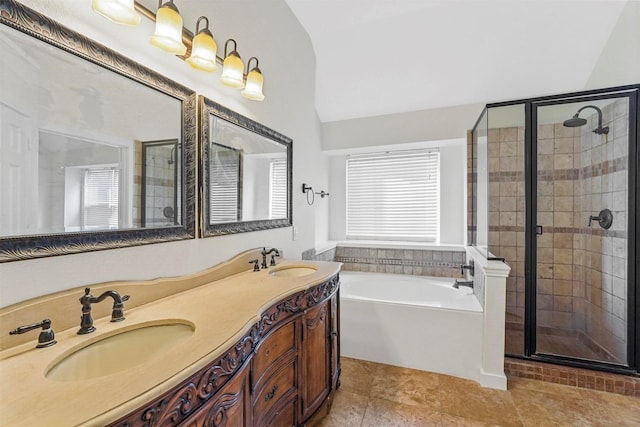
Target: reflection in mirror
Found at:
x=158, y=170
x=247, y=173
x=90, y=142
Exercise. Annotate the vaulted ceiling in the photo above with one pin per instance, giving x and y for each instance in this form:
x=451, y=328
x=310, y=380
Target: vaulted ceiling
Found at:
x=377, y=57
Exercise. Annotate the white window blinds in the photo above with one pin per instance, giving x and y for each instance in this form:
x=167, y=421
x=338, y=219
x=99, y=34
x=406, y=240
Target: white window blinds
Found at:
x=100, y=198
x=278, y=189
x=394, y=196
x=224, y=193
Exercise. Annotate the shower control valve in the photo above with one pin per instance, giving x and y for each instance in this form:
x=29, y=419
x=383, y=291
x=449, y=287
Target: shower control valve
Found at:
x=604, y=218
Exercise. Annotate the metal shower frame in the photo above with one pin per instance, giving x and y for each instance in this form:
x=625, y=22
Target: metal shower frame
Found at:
x=633, y=229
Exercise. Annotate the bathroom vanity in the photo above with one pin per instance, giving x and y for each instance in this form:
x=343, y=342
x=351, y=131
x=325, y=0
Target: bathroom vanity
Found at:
x=242, y=348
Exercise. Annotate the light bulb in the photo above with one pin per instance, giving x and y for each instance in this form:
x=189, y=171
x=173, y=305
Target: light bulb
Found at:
x=118, y=11
x=168, y=34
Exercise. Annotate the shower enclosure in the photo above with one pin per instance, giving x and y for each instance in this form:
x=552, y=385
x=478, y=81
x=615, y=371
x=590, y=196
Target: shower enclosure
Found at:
x=553, y=190
x=158, y=172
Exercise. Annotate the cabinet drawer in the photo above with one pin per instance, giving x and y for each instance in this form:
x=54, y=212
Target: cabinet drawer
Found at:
x=275, y=345
x=277, y=386
x=285, y=416
x=230, y=404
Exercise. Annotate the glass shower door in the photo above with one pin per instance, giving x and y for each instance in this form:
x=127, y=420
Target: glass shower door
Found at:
x=580, y=206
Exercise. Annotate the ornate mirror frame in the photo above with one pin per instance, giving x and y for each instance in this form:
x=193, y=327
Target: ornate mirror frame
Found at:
x=210, y=108
x=25, y=20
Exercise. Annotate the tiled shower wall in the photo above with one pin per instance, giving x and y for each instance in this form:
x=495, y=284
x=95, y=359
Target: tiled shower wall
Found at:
x=603, y=184
x=160, y=182
x=506, y=211
x=581, y=270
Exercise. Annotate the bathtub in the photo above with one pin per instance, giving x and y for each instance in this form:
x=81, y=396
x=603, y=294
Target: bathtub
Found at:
x=411, y=321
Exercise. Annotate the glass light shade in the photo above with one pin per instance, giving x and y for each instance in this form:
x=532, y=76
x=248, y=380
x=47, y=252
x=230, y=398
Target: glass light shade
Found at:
x=118, y=11
x=168, y=34
x=203, y=52
x=232, y=71
x=253, y=90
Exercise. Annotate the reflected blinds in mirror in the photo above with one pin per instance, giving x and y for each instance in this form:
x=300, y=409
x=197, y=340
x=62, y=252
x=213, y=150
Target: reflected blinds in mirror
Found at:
x=100, y=198
x=278, y=189
x=225, y=184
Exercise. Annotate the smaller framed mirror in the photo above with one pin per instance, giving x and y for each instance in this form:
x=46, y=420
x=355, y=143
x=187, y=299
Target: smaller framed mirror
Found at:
x=246, y=173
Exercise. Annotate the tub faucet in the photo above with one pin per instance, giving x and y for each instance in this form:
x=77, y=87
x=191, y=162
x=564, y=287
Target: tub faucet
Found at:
x=459, y=283
x=86, y=321
x=266, y=252
x=469, y=267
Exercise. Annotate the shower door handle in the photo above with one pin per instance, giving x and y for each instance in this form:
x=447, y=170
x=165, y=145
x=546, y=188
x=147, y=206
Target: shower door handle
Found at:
x=539, y=230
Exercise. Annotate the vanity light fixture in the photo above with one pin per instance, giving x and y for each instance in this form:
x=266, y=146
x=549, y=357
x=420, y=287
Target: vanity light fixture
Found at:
x=118, y=11
x=203, y=48
x=232, y=68
x=253, y=89
x=168, y=34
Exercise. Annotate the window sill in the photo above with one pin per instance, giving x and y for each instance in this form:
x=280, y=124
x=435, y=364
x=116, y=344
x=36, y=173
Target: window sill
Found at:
x=382, y=244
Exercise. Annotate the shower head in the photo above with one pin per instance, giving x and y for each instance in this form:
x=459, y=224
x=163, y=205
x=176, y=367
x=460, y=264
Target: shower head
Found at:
x=577, y=121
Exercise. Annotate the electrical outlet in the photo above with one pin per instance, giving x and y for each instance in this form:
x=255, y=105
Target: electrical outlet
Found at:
x=294, y=233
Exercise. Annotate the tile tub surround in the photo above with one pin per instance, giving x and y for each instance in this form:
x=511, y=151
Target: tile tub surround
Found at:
x=321, y=255
x=373, y=394
x=420, y=262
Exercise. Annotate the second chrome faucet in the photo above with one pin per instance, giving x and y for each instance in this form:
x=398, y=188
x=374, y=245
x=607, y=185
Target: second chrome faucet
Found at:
x=117, y=314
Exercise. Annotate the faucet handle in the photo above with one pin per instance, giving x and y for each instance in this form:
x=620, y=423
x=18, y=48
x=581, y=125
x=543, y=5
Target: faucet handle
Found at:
x=117, y=311
x=273, y=258
x=256, y=267
x=46, y=337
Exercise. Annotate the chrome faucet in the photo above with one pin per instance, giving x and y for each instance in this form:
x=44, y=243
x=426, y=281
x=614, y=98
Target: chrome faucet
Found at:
x=46, y=337
x=117, y=314
x=458, y=283
x=266, y=252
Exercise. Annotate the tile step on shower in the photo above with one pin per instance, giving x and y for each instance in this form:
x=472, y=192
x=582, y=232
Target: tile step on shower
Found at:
x=576, y=377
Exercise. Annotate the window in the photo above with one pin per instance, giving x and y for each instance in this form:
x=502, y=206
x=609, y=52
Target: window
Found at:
x=278, y=189
x=394, y=196
x=100, y=198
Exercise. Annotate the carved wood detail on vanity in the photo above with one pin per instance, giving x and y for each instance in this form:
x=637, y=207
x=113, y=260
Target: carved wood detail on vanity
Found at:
x=185, y=404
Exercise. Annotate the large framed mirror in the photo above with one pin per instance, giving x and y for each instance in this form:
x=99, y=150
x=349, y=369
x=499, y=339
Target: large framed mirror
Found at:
x=246, y=173
x=96, y=151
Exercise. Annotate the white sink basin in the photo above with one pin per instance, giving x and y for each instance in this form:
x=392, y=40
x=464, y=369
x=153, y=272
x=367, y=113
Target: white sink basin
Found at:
x=292, y=271
x=120, y=351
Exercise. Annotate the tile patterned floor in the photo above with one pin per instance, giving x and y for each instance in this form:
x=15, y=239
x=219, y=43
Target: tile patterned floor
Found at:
x=376, y=395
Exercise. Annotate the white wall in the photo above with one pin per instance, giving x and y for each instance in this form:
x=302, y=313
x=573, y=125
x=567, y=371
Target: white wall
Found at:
x=619, y=61
x=267, y=30
x=452, y=189
x=437, y=124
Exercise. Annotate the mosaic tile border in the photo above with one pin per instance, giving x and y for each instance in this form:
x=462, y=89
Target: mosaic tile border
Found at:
x=401, y=262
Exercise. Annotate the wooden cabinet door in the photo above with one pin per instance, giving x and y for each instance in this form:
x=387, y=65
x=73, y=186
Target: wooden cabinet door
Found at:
x=315, y=359
x=228, y=408
x=335, y=341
